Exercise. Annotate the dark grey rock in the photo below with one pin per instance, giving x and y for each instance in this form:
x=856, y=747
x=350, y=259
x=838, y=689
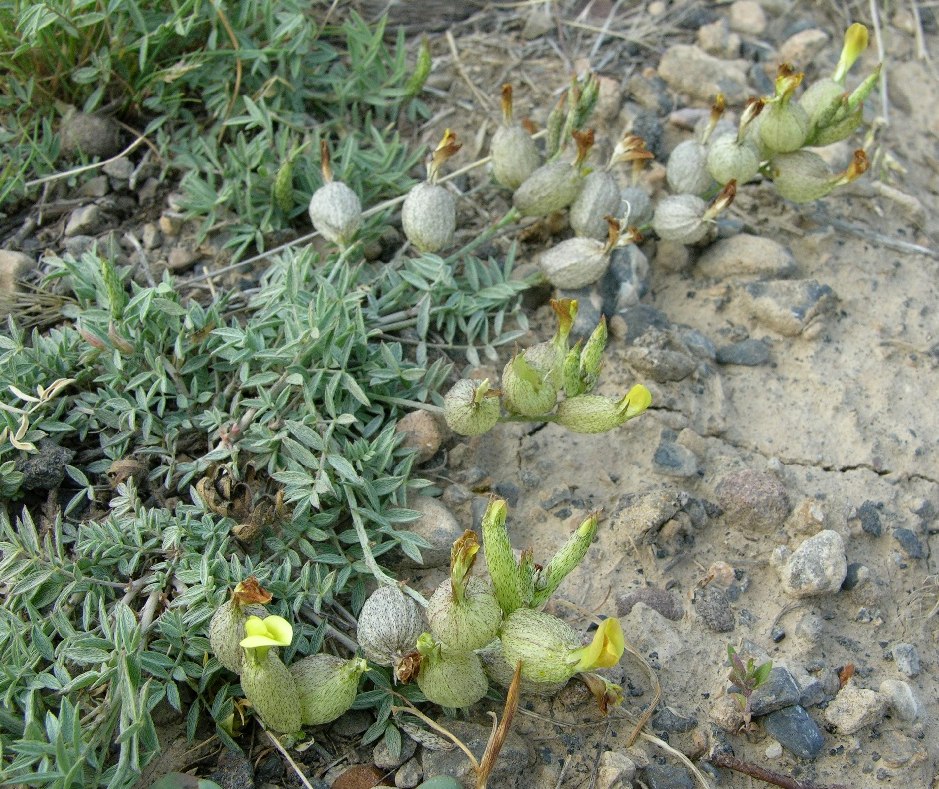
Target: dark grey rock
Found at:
x=383, y=759
x=667, y=776
x=508, y=491
x=675, y=460
x=640, y=319
x=666, y=719
x=909, y=542
x=648, y=125
x=438, y=526
x=353, y=723
x=712, y=605
x=270, y=769
x=650, y=92
x=793, y=728
x=853, y=576
x=747, y=353
x=45, y=469
x=233, y=770
x=661, y=364
x=906, y=657
x=92, y=135
x=668, y=604
x=699, y=345
x=626, y=280
x=780, y=690
x=869, y=515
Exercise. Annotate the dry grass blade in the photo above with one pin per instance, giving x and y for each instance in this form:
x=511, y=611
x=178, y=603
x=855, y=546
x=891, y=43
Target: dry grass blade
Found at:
x=656, y=695
x=500, y=729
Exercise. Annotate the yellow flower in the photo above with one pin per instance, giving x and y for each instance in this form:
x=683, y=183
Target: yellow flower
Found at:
x=272, y=631
x=605, y=650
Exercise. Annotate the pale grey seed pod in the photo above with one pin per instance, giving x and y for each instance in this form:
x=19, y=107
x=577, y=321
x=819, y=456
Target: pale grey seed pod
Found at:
x=686, y=171
x=227, y=629
x=575, y=263
x=428, y=217
x=514, y=155
x=389, y=625
x=336, y=212
x=599, y=197
x=680, y=218
x=550, y=188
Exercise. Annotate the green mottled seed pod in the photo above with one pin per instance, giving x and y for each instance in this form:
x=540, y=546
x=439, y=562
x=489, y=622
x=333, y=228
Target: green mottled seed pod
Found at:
x=466, y=414
x=784, y=125
x=550, y=188
x=801, y=176
x=729, y=160
x=542, y=642
x=452, y=679
x=526, y=391
x=327, y=686
x=466, y=625
x=271, y=689
x=502, y=674
x=428, y=217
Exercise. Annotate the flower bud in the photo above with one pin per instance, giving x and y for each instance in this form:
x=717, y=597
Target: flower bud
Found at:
x=327, y=686
x=686, y=171
x=596, y=414
x=463, y=613
x=500, y=559
x=335, y=210
x=803, y=176
x=512, y=150
x=599, y=197
x=450, y=679
x=855, y=42
x=525, y=390
x=227, y=626
x=471, y=408
x=389, y=624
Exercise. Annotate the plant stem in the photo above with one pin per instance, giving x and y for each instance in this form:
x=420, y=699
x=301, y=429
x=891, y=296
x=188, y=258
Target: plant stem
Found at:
x=434, y=409
x=761, y=773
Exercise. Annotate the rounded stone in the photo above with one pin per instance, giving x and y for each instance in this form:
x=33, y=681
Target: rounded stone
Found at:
x=438, y=526
x=422, y=432
x=817, y=566
x=854, y=709
x=900, y=698
x=753, y=500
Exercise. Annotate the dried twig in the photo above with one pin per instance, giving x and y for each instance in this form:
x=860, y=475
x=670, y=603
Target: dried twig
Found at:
x=761, y=773
x=285, y=753
x=875, y=21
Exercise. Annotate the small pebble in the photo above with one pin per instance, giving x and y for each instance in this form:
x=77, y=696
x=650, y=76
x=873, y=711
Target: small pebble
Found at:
x=409, y=774
x=661, y=364
x=667, y=776
x=513, y=758
x=438, y=526
x=788, y=307
x=817, y=566
x=747, y=353
x=45, y=469
x=615, y=771
x=752, y=500
x=383, y=759
x=774, y=750
x=727, y=713
x=746, y=255
x=801, y=48
x=353, y=723
x=95, y=187
x=713, y=606
x=672, y=257
x=909, y=542
x=688, y=69
x=869, y=515
x=900, y=699
x=92, y=135
x=119, y=169
x=83, y=220
x=857, y=573
x=666, y=719
x=626, y=280
x=422, y=432
x=855, y=708
x=747, y=16
x=793, y=728
x=674, y=460
x=640, y=319
x=233, y=770
x=906, y=658
x=668, y=604
x=716, y=39
x=780, y=690
x=181, y=258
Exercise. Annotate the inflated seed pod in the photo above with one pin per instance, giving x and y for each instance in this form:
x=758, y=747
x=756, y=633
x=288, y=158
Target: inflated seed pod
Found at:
x=821, y=101
x=463, y=613
x=273, y=694
x=450, y=679
x=686, y=171
x=784, y=125
x=599, y=197
x=227, y=626
x=542, y=642
x=335, y=210
x=327, y=686
x=501, y=673
x=512, y=150
x=428, y=217
x=732, y=160
x=680, y=218
x=471, y=407
x=554, y=185
x=803, y=176
x=389, y=625
x=525, y=390
x=589, y=413
x=575, y=262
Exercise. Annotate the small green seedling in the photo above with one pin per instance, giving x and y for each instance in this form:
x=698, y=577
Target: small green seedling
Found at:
x=747, y=678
